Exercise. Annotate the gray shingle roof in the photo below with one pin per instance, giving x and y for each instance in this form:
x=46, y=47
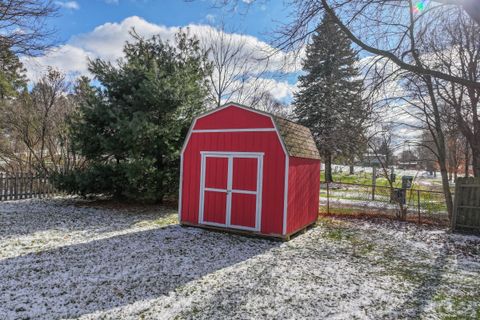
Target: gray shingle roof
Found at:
x=297, y=138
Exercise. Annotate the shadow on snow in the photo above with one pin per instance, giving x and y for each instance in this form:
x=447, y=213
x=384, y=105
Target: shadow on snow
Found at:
x=103, y=274
x=30, y=216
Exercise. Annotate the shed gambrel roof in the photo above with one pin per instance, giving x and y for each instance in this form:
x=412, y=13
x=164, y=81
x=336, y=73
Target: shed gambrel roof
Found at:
x=298, y=139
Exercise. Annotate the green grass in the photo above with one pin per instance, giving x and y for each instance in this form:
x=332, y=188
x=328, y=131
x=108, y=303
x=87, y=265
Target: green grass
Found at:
x=365, y=178
x=431, y=202
x=359, y=178
x=457, y=306
x=166, y=220
x=337, y=231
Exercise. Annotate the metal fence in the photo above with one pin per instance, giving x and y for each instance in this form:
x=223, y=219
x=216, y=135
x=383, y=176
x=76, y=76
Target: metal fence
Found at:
x=351, y=198
x=15, y=186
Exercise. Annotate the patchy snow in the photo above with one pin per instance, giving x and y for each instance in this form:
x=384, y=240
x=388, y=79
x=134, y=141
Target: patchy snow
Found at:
x=62, y=259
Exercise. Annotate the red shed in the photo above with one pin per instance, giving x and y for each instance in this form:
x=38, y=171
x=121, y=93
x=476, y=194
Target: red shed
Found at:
x=249, y=170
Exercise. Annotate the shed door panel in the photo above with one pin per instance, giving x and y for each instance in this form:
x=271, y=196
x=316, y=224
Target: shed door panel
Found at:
x=243, y=210
x=244, y=192
x=215, y=207
x=245, y=174
x=215, y=192
x=216, y=173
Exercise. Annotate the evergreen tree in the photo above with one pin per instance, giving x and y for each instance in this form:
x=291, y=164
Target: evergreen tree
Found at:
x=329, y=101
x=130, y=129
x=12, y=74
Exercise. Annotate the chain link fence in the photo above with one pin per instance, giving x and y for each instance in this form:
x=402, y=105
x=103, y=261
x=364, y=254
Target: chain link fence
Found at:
x=364, y=199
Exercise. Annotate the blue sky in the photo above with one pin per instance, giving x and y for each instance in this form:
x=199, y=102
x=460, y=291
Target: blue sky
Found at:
x=82, y=16
x=99, y=29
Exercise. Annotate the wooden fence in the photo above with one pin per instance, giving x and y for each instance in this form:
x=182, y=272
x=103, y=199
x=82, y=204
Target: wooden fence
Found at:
x=15, y=186
x=466, y=211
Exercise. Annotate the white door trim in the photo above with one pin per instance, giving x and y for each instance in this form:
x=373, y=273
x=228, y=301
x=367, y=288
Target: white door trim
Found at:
x=258, y=192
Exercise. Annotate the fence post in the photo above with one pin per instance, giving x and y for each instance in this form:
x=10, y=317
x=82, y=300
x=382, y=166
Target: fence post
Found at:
x=328, y=197
x=39, y=186
x=418, y=205
x=42, y=187
x=374, y=182
x=15, y=186
x=30, y=185
x=1, y=186
x=21, y=186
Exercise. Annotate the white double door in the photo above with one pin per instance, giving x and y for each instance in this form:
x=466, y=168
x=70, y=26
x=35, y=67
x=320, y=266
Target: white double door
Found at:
x=230, y=189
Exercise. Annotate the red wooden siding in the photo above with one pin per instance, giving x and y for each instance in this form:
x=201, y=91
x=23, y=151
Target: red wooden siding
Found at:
x=245, y=174
x=303, y=192
x=273, y=170
x=215, y=207
x=219, y=132
x=243, y=209
x=216, y=173
x=233, y=118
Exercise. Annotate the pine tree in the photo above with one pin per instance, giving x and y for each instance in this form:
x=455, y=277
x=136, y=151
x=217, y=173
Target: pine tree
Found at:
x=12, y=74
x=130, y=130
x=329, y=101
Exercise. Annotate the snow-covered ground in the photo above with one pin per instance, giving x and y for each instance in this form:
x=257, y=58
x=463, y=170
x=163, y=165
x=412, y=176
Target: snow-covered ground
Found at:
x=62, y=259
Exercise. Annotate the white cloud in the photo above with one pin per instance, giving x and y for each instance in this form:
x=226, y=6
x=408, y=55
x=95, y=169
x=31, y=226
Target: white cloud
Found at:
x=107, y=40
x=280, y=89
x=67, y=58
x=210, y=18
x=72, y=5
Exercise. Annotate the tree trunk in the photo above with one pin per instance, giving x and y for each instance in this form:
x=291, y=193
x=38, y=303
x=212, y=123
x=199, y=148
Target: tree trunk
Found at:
x=441, y=147
x=352, y=169
x=328, y=168
x=446, y=189
x=476, y=158
x=467, y=160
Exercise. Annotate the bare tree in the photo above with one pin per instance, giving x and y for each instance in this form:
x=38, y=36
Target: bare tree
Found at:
x=426, y=152
x=34, y=130
x=455, y=48
x=471, y=7
x=23, y=25
x=388, y=29
x=268, y=103
x=422, y=104
x=378, y=140
x=239, y=68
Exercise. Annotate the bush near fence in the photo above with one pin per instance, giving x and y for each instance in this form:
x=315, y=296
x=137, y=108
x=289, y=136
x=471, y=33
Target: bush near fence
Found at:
x=18, y=185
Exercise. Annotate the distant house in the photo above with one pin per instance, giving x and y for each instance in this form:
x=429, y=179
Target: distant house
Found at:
x=410, y=165
x=372, y=160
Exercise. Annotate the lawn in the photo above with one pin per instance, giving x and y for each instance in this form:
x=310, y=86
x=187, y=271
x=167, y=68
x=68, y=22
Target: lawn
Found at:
x=363, y=176
x=65, y=258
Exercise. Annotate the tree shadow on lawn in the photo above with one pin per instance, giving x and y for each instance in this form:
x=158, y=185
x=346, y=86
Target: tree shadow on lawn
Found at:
x=428, y=281
x=30, y=216
x=103, y=274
